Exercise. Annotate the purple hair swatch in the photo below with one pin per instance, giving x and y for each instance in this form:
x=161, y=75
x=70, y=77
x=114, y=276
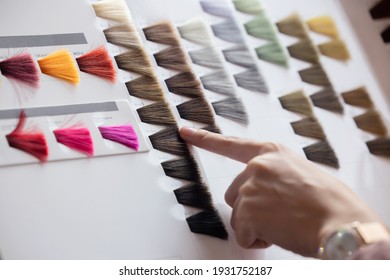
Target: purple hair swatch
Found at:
x=218, y=8
x=21, y=68
x=122, y=134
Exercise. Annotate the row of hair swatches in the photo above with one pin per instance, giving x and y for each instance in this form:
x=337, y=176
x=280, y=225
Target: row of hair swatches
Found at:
x=218, y=81
x=147, y=86
x=59, y=64
x=77, y=138
x=382, y=11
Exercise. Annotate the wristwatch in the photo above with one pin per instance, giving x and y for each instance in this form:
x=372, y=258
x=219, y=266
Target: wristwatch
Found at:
x=342, y=243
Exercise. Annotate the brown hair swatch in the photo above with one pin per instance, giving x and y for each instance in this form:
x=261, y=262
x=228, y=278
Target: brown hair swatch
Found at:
x=327, y=99
x=358, y=97
x=173, y=58
x=186, y=84
x=162, y=33
x=309, y=127
x=297, y=102
x=380, y=147
x=146, y=87
x=135, y=60
x=371, y=121
x=157, y=113
x=322, y=152
x=168, y=140
x=197, y=110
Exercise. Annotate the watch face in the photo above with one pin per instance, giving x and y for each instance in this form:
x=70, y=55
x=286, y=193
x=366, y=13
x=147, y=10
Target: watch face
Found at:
x=341, y=245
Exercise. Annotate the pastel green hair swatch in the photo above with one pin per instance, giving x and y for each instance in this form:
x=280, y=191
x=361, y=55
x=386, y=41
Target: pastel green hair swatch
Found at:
x=261, y=27
x=274, y=53
x=252, y=7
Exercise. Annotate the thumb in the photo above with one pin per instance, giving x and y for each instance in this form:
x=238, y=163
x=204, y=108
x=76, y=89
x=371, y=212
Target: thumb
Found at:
x=242, y=150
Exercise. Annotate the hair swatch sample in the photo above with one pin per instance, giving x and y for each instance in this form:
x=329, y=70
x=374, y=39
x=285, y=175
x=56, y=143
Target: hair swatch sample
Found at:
x=322, y=152
x=323, y=25
x=327, y=99
x=228, y=31
x=197, y=110
x=381, y=10
x=98, y=62
x=315, y=75
x=173, y=58
x=196, y=31
x=194, y=195
x=371, y=121
x=252, y=7
x=358, y=97
x=380, y=147
x=261, y=27
x=212, y=128
x=293, y=26
x=185, y=84
x=116, y=10
x=31, y=142
x=335, y=49
x=146, y=87
x=240, y=56
x=386, y=35
x=162, y=33
x=208, y=57
x=122, y=134
x=60, y=64
x=21, y=68
x=169, y=141
x=208, y=223
x=233, y=109
x=219, y=82
x=274, y=53
x=76, y=138
x=297, y=102
x=123, y=35
x=218, y=8
x=157, y=113
x=252, y=80
x=184, y=168
x=304, y=50
x=309, y=127
x=135, y=60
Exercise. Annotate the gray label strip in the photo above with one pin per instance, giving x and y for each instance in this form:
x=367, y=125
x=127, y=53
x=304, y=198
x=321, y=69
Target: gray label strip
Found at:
x=42, y=40
x=61, y=110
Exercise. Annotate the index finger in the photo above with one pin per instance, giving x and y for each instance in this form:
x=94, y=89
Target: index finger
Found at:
x=242, y=150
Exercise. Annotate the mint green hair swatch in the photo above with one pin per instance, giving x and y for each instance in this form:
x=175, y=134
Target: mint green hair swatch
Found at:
x=274, y=53
x=261, y=27
x=251, y=7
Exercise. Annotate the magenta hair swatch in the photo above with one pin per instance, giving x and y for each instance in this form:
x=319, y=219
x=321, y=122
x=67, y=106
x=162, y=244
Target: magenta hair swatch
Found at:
x=30, y=142
x=122, y=134
x=76, y=138
x=21, y=68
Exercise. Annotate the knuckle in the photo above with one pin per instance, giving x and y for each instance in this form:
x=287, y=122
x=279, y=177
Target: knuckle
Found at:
x=272, y=147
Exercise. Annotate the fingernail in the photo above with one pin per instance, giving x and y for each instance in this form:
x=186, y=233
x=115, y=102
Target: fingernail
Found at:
x=187, y=132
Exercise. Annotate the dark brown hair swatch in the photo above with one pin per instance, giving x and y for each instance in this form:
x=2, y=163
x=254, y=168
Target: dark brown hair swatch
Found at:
x=231, y=108
x=315, y=75
x=380, y=147
x=172, y=58
x=327, y=99
x=157, y=113
x=358, y=97
x=194, y=195
x=212, y=128
x=184, y=168
x=197, y=110
x=122, y=35
x=146, y=87
x=185, y=84
x=135, y=60
x=169, y=141
x=297, y=102
x=162, y=33
x=208, y=222
x=309, y=127
x=219, y=81
x=381, y=10
x=322, y=152
x=371, y=121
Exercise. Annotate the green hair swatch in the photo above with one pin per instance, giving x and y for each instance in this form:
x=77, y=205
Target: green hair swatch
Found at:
x=261, y=27
x=273, y=52
x=252, y=7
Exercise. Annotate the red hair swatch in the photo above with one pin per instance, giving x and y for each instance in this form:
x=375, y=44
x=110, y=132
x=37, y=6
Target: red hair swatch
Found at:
x=98, y=62
x=30, y=142
x=21, y=68
x=76, y=138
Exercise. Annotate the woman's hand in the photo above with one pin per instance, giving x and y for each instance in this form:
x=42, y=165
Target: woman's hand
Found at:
x=280, y=197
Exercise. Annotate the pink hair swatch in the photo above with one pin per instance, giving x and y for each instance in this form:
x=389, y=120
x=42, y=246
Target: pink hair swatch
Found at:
x=122, y=134
x=21, y=68
x=76, y=138
x=98, y=62
x=33, y=143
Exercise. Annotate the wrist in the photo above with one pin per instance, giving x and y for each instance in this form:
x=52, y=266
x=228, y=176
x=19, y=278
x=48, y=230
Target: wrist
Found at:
x=348, y=238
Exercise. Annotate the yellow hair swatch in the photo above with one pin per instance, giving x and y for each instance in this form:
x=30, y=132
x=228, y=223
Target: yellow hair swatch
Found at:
x=335, y=49
x=324, y=25
x=60, y=64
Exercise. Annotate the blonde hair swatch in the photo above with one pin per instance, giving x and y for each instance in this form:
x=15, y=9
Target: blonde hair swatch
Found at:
x=323, y=25
x=297, y=102
x=197, y=31
x=123, y=35
x=116, y=10
x=335, y=49
x=293, y=26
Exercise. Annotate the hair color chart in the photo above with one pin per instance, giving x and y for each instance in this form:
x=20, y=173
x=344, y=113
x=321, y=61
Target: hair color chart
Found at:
x=93, y=93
